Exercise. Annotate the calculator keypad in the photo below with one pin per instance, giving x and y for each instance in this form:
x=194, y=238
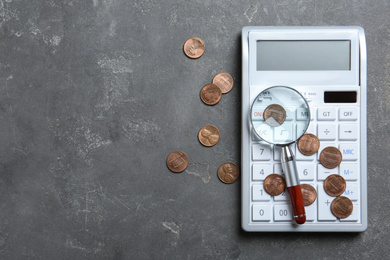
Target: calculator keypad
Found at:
x=336, y=127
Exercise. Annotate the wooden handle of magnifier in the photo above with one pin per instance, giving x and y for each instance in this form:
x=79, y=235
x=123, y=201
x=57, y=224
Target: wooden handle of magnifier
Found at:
x=297, y=204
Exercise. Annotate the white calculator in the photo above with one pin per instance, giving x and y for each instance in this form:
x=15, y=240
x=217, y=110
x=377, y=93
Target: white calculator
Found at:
x=327, y=66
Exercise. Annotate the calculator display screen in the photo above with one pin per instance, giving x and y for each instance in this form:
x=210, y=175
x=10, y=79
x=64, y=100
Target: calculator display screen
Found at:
x=304, y=55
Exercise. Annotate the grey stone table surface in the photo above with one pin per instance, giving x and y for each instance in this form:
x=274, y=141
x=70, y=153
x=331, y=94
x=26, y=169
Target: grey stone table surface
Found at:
x=96, y=94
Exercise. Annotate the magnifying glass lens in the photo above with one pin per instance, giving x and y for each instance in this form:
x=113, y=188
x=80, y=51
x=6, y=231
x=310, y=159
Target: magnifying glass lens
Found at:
x=280, y=115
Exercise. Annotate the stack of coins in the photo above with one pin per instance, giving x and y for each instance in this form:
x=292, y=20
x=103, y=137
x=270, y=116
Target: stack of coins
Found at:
x=334, y=185
x=211, y=93
x=208, y=135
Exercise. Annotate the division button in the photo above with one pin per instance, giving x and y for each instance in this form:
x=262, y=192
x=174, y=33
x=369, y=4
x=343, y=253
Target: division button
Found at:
x=326, y=131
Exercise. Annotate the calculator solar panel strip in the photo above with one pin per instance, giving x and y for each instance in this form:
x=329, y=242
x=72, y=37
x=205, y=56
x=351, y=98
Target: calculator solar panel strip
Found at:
x=338, y=117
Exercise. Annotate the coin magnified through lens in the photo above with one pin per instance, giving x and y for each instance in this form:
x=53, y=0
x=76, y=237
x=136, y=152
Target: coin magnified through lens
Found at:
x=280, y=116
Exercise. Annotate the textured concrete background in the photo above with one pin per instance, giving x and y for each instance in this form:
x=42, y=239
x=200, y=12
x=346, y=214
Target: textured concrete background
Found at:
x=96, y=94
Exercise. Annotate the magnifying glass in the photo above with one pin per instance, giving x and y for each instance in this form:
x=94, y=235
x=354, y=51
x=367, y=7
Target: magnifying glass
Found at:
x=280, y=116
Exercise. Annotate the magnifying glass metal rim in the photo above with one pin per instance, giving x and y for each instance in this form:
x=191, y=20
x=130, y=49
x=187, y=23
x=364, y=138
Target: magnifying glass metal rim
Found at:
x=294, y=90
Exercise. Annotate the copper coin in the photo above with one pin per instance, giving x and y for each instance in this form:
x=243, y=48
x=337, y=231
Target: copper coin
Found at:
x=177, y=161
x=208, y=135
x=224, y=81
x=228, y=172
x=211, y=94
x=274, y=115
x=331, y=157
x=308, y=144
x=341, y=207
x=274, y=184
x=309, y=194
x=194, y=48
x=334, y=185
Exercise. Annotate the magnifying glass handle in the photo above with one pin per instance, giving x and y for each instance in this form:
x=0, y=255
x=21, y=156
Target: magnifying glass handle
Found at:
x=293, y=186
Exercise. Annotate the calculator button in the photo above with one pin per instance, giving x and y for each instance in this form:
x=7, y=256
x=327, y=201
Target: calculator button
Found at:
x=323, y=173
x=284, y=133
x=284, y=196
x=311, y=129
x=348, y=132
x=290, y=113
x=257, y=113
x=354, y=215
x=302, y=114
x=261, y=152
x=349, y=151
x=278, y=169
x=350, y=171
x=306, y=171
x=352, y=191
x=264, y=130
x=261, y=213
x=301, y=130
x=311, y=213
x=312, y=114
x=324, y=201
x=326, y=132
x=348, y=114
x=259, y=194
x=260, y=171
x=283, y=213
x=277, y=152
x=323, y=145
x=326, y=114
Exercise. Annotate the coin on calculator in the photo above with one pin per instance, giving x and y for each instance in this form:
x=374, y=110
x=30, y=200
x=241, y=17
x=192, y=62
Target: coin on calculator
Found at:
x=309, y=194
x=177, y=161
x=210, y=94
x=330, y=157
x=228, y=172
x=274, y=184
x=334, y=185
x=208, y=135
x=308, y=144
x=274, y=115
x=224, y=81
x=341, y=207
x=194, y=48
